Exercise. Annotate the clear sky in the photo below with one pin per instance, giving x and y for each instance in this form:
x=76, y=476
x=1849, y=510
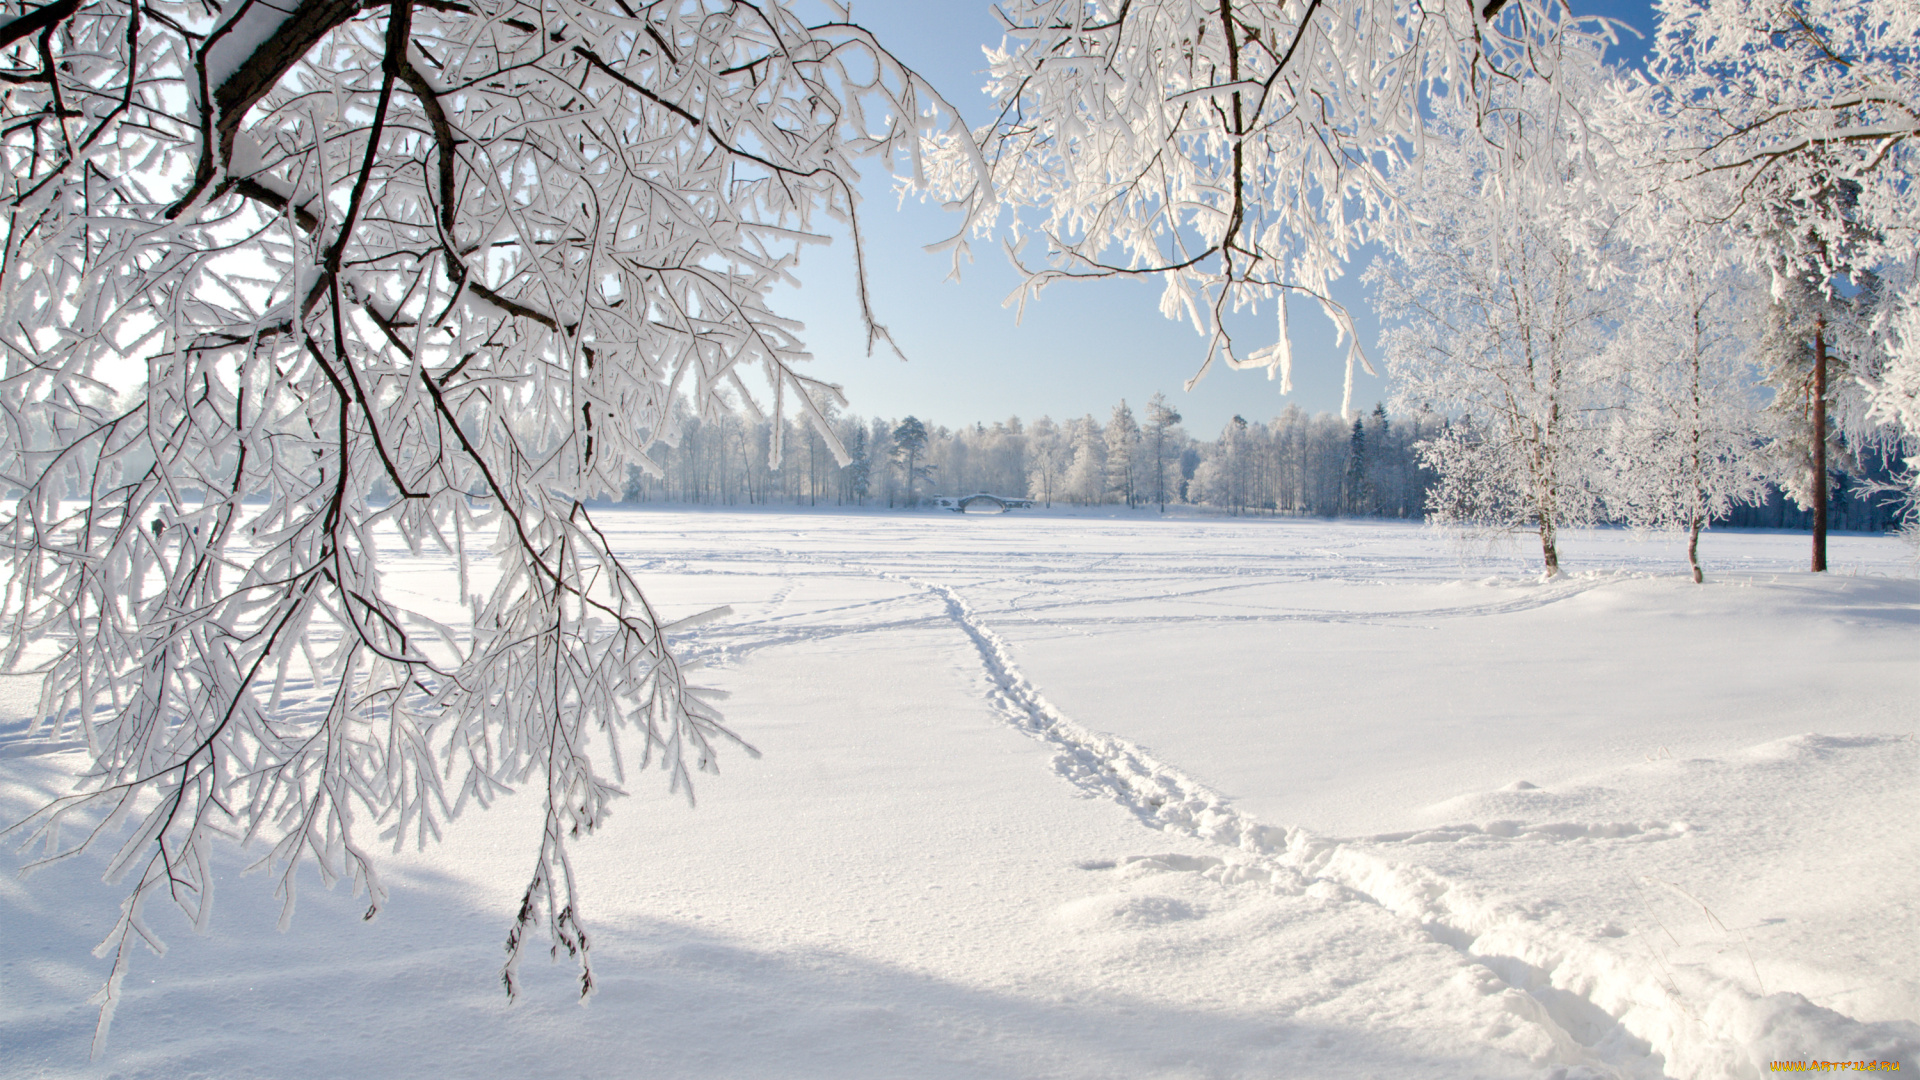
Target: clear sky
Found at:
x=1084, y=345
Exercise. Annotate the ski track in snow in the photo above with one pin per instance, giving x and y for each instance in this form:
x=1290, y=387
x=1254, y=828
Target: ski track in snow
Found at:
x=735, y=642
x=1607, y=1015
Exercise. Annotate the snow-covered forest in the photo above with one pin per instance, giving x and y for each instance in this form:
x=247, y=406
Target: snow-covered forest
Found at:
x=1294, y=464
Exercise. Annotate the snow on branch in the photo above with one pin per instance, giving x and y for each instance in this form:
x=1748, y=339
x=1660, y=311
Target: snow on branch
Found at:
x=285, y=287
x=1236, y=150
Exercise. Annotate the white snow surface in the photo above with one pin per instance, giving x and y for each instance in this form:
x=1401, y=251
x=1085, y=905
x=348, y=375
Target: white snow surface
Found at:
x=1116, y=795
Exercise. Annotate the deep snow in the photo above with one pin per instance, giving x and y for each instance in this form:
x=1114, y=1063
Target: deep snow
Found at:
x=1114, y=795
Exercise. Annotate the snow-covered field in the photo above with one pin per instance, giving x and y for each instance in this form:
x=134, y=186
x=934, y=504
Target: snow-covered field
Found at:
x=1055, y=795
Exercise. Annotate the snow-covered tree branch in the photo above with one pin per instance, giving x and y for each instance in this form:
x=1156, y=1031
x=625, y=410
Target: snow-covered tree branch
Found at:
x=1789, y=127
x=1498, y=286
x=285, y=287
x=1235, y=150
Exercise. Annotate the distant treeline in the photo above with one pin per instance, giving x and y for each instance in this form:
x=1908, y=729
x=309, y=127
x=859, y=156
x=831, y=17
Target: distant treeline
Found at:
x=1864, y=497
x=1295, y=464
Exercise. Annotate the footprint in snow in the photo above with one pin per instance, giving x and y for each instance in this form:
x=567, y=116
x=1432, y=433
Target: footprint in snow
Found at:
x=1118, y=911
x=1213, y=868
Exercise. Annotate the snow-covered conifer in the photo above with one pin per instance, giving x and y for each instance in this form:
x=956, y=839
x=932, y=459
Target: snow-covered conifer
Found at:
x=909, y=452
x=1123, y=452
x=857, y=476
x=1815, y=357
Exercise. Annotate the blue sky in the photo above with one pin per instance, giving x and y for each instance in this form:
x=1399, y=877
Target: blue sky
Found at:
x=1083, y=346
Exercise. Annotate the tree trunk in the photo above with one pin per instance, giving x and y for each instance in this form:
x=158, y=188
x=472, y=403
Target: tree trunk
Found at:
x=1820, y=447
x=1160, y=467
x=1693, y=548
x=1549, y=546
x=1695, y=422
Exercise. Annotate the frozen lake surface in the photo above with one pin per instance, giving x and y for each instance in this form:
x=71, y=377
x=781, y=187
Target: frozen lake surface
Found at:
x=1101, y=795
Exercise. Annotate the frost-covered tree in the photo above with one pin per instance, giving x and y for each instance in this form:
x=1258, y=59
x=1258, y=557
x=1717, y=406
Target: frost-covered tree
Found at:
x=1123, y=453
x=817, y=478
x=1819, y=386
x=1048, y=452
x=1685, y=444
x=1766, y=111
x=1226, y=477
x=1002, y=461
x=1503, y=317
x=261, y=260
x=950, y=454
x=1162, y=421
x=1896, y=393
x=1085, y=481
x=1234, y=149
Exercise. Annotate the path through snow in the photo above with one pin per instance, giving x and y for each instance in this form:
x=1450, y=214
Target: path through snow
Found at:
x=897, y=889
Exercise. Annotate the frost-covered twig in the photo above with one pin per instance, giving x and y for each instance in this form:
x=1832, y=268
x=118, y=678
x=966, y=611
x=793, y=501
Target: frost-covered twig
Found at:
x=285, y=286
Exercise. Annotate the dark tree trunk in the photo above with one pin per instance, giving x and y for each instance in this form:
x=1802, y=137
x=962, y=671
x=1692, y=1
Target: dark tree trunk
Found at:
x=1820, y=447
x=1693, y=548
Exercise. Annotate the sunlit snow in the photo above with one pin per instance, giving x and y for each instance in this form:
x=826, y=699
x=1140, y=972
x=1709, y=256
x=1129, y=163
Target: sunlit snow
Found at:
x=1111, y=795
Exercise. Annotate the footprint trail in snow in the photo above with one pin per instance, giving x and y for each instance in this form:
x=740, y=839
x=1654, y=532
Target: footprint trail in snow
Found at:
x=1603, y=1016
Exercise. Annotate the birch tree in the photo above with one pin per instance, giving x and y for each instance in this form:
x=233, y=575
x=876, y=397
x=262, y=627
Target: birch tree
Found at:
x=261, y=261
x=1503, y=318
x=1123, y=451
x=1686, y=445
x=1085, y=479
x=1048, y=452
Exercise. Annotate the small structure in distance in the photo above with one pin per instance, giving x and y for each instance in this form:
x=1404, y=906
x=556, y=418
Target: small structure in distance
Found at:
x=980, y=503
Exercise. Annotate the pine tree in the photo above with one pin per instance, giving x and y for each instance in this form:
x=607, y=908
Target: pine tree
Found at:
x=858, y=471
x=1816, y=384
x=909, y=445
x=1160, y=417
x=1354, y=487
x=1123, y=443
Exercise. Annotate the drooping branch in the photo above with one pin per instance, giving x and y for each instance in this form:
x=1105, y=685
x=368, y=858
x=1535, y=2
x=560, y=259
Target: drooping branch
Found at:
x=388, y=271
